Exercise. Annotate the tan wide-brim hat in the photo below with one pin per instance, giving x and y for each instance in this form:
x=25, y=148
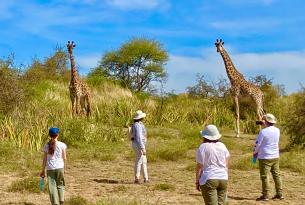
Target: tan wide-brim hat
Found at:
x=139, y=115
x=270, y=118
x=210, y=132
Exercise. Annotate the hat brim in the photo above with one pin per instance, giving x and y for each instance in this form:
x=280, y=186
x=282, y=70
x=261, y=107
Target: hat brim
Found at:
x=140, y=116
x=214, y=137
x=271, y=121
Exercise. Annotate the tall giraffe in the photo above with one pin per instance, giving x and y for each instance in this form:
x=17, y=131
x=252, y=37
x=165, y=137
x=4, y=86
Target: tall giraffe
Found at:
x=79, y=91
x=238, y=84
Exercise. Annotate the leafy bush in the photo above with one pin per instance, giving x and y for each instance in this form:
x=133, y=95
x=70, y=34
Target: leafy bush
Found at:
x=295, y=119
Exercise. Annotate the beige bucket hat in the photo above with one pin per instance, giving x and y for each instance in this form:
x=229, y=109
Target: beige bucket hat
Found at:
x=270, y=118
x=210, y=132
x=139, y=115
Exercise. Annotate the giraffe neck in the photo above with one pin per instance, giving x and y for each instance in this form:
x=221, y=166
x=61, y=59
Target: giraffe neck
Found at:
x=232, y=72
x=74, y=76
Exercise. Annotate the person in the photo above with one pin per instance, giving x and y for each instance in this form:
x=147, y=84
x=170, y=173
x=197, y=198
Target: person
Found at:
x=54, y=159
x=212, y=167
x=138, y=137
x=266, y=150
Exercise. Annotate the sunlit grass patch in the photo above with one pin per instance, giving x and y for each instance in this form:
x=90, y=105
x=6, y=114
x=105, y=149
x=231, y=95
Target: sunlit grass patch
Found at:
x=30, y=184
x=293, y=160
x=164, y=187
x=243, y=162
x=120, y=188
x=77, y=200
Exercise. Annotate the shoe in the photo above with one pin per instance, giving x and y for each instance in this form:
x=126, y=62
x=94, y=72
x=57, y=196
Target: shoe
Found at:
x=146, y=181
x=280, y=197
x=262, y=198
x=137, y=181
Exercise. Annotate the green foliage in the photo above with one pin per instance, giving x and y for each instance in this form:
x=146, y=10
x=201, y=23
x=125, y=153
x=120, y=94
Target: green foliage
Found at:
x=164, y=187
x=11, y=92
x=53, y=68
x=30, y=184
x=136, y=64
x=295, y=119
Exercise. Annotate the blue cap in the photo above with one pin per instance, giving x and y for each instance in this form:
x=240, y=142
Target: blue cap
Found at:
x=53, y=131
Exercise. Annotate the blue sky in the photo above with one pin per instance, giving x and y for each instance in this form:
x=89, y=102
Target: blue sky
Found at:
x=262, y=36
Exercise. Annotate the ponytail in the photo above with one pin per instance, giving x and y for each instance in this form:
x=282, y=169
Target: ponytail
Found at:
x=52, y=146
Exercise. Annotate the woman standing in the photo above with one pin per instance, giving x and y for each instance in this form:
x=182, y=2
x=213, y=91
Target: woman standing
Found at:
x=212, y=167
x=54, y=159
x=138, y=137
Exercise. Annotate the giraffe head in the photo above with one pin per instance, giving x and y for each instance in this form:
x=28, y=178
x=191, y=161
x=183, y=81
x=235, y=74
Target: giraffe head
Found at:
x=70, y=46
x=219, y=44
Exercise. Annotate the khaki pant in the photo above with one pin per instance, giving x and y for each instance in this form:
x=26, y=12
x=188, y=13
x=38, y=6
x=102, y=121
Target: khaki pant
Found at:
x=265, y=166
x=214, y=191
x=56, y=184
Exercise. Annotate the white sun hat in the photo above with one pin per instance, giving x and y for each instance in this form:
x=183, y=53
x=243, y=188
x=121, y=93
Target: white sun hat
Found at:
x=210, y=132
x=270, y=118
x=139, y=115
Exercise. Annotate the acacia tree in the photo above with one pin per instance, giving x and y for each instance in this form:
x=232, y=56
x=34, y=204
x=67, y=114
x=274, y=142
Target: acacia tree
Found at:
x=136, y=64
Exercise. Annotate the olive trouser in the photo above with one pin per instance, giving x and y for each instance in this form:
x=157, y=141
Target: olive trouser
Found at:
x=56, y=184
x=214, y=191
x=265, y=166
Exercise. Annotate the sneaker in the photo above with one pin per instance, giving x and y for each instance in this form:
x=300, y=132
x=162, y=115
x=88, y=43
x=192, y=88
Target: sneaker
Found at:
x=262, y=198
x=146, y=181
x=280, y=197
x=137, y=181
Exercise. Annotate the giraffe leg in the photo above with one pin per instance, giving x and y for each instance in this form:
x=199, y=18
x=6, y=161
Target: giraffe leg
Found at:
x=77, y=105
x=236, y=115
x=73, y=105
x=88, y=110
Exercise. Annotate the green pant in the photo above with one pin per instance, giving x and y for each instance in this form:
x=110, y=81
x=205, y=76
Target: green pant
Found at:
x=214, y=191
x=56, y=184
x=265, y=166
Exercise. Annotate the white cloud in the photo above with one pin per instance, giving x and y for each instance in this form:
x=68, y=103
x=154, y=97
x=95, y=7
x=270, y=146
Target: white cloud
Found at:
x=246, y=24
x=86, y=62
x=287, y=68
x=135, y=4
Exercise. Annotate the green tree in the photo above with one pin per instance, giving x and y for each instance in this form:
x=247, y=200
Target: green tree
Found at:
x=136, y=64
x=295, y=119
x=11, y=91
x=53, y=67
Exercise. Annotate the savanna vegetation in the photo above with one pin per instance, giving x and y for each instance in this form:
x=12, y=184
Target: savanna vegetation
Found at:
x=36, y=97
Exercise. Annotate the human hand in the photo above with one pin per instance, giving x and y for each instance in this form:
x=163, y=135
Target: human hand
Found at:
x=42, y=174
x=198, y=186
x=143, y=152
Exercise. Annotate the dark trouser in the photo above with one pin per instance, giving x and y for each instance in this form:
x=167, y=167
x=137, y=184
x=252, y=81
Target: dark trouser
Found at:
x=214, y=191
x=56, y=184
x=265, y=166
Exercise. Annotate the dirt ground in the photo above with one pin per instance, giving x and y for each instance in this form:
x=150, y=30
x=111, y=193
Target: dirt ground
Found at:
x=113, y=180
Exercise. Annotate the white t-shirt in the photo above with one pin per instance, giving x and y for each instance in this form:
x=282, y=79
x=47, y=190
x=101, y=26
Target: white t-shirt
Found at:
x=56, y=160
x=213, y=157
x=267, y=143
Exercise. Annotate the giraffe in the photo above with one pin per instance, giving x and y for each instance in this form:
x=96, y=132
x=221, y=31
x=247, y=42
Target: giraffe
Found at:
x=79, y=91
x=238, y=84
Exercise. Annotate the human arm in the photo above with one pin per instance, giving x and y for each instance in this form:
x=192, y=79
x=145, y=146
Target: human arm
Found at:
x=44, y=163
x=199, y=169
x=64, y=157
x=139, y=136
x=258, y=143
